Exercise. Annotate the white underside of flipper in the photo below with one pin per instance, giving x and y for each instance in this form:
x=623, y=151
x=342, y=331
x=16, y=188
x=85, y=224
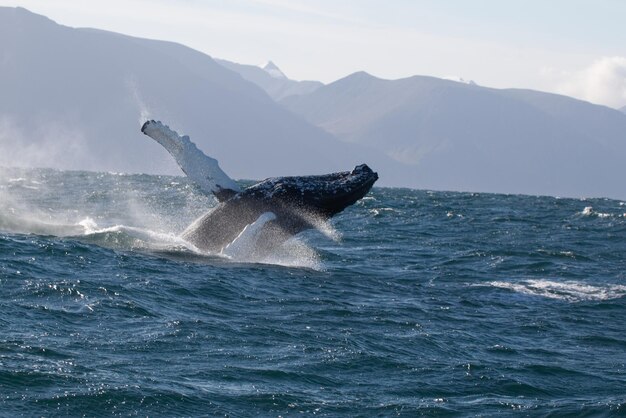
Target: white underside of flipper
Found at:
x=244, y=246
x=200, y=168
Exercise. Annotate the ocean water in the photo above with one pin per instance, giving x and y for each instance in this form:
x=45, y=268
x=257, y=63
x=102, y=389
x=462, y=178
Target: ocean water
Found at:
x=408, y=303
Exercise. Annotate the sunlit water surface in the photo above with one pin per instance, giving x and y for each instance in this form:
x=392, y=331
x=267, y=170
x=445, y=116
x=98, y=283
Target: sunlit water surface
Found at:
x=410, y=303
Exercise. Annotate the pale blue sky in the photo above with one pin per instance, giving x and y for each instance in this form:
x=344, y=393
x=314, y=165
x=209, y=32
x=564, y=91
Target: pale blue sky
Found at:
x=575, y=47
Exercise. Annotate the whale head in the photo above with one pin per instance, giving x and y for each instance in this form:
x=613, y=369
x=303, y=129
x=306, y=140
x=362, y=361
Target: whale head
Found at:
x=326, y=194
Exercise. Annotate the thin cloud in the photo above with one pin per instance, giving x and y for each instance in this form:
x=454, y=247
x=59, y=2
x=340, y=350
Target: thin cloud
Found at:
x=603, y=82
x=306, y=8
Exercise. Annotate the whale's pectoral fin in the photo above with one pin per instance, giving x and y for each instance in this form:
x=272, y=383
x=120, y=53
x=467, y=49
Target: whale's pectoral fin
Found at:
x=200, y=168
x=250, y=243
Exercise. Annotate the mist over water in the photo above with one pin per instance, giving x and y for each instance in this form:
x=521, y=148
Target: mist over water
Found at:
x=409, y=302
x=123, y=212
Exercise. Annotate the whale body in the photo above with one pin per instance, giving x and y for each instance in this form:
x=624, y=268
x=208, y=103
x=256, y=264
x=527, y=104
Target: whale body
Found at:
x=266, y=213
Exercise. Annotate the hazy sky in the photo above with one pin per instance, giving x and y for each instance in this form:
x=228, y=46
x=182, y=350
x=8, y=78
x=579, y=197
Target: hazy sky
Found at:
x=575, y=47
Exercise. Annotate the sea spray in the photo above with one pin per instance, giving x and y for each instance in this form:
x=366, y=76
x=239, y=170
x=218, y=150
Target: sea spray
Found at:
x=144, y=113
x=114, y=211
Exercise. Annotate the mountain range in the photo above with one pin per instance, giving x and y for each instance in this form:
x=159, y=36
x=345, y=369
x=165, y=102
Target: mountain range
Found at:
x=463, y=136
x=75, y=99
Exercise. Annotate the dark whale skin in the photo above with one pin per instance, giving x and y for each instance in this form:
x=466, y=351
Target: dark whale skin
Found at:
x=298, y=202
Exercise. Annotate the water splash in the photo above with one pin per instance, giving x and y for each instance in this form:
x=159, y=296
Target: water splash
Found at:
x=144, y=113
x=250, y=244
x=124, y=212
x=133, y=238
x=295, y=252
x=589, y=211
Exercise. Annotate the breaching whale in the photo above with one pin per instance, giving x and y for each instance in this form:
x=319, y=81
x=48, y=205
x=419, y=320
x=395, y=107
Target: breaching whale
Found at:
x=265, y=214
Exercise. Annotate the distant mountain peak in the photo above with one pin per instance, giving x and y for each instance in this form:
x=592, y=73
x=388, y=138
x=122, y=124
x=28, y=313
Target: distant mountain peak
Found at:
x=622, y=109
x=278, y=87
x=20, y=14
x=361, y=74
x=273, y=70
x=357, y=79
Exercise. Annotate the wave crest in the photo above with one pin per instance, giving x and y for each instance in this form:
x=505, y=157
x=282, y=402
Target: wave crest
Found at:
x=571, y=291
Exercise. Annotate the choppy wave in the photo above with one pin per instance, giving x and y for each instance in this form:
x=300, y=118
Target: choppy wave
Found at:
x=590, y=211
x=571, y=291
x=421, y=303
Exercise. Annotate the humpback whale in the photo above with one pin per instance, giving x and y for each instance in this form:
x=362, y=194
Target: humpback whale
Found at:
x=264, y=215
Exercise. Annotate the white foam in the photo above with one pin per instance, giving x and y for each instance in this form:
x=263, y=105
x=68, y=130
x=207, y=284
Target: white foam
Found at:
x=89, y=224
x=589, y=211
x=141, y=237
x=571, y=291
x=378, y=211
x=23, y=183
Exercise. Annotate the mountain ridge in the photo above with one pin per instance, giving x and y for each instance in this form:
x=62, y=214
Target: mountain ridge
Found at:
x=85, y=109
x=461, y=136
